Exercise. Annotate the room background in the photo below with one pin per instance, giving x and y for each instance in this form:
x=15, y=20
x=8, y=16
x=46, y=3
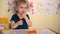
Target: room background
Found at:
x=43, y=13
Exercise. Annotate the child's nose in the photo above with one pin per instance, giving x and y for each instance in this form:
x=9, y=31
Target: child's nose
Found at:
x=24, y=10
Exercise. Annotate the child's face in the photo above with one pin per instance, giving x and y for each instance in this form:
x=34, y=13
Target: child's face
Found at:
x=22, y=8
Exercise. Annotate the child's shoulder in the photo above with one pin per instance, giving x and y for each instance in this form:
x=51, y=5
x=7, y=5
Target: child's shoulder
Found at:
x=14, y=14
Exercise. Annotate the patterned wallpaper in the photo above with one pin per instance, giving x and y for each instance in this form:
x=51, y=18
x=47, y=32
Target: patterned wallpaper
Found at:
x=43, y=7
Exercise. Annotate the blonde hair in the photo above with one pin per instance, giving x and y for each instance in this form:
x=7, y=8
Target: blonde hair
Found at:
x=18, y=2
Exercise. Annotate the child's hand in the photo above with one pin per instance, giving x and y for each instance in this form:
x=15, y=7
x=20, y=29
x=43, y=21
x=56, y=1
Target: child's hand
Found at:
x=24, y=15
x=20, y=22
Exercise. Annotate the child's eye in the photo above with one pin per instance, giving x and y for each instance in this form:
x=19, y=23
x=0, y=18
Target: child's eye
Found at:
x=21, y=7
x=25, y=7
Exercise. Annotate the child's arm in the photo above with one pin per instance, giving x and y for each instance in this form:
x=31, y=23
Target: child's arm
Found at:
x=14, y=25
x=27, y=20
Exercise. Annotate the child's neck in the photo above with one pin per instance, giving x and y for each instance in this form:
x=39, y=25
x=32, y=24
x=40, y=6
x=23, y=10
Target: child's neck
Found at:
x=20, y=16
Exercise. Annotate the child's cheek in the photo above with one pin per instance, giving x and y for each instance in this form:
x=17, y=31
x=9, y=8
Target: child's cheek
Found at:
x=19, y=9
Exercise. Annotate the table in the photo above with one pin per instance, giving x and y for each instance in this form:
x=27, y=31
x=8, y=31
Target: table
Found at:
x=25, y=31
